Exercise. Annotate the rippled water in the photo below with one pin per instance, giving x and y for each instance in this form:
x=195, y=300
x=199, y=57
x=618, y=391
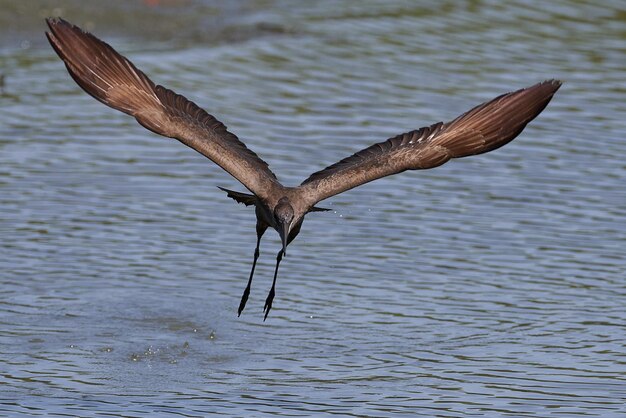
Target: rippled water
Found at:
x=492, y=286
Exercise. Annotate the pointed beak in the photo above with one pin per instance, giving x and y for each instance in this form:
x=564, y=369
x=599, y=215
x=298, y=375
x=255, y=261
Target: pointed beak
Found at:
x=284, y=234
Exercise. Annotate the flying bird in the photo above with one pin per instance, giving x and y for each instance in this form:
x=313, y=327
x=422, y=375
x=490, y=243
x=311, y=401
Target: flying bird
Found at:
x=115, y=81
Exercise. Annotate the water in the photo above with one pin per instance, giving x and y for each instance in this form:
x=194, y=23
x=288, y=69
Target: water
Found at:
x=491, y=286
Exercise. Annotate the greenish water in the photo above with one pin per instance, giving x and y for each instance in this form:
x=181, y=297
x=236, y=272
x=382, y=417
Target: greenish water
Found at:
x=491, y=286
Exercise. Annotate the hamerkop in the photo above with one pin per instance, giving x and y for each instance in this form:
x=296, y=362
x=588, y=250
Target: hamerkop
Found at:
x=115, y=81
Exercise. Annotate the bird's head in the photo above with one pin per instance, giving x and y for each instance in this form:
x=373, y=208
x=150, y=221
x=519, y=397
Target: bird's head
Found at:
x=284, y=216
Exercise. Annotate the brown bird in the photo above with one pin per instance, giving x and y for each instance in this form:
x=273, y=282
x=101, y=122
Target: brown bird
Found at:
x=115, y=81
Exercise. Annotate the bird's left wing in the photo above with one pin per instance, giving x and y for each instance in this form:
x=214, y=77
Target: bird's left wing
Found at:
x=482, y=129
x=115, y=81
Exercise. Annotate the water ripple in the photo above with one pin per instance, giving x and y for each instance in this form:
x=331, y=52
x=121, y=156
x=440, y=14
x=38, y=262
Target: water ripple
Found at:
x=492, y=286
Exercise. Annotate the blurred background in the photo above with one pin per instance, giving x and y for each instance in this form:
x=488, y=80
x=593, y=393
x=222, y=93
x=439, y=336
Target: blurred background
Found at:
x=491, y=286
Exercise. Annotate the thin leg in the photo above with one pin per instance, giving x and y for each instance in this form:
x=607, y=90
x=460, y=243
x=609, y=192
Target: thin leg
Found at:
x=246, y=293
x=270, y=296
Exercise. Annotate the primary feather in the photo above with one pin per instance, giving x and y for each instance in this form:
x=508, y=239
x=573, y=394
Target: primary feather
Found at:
x=482, y=129
x=115, y=81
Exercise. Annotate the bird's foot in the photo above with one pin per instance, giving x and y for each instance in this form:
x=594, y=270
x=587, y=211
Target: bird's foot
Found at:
x=268, y=304
x=244, y=299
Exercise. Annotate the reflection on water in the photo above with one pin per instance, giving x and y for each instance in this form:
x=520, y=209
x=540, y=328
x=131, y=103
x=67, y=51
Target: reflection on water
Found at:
x=491, y=286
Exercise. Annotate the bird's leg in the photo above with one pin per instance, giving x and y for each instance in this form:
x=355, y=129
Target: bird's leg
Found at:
x=270, y=296
x=244, y=298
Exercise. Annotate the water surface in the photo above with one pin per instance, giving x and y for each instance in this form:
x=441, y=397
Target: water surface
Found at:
x=491, y=286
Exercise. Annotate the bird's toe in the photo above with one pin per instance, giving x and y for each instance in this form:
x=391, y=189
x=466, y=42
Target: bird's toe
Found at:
x=268, y=304
x=244, y=300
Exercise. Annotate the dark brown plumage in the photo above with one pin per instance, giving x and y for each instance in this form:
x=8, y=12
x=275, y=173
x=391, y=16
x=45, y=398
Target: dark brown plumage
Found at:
x=112, y=79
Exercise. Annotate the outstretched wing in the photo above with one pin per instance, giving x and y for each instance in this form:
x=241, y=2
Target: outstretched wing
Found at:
x=482, y=129
x=115, y=81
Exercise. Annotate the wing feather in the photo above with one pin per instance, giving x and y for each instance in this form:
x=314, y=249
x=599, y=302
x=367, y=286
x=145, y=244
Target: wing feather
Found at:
x=115, y=81
x=482, y=129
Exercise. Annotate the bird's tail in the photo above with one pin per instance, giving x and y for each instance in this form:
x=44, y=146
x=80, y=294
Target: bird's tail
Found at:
x=245, y=198
x=250, y=199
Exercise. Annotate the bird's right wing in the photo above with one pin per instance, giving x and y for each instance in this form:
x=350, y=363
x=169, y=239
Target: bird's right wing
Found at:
x=482, y=129
x=115, y=81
